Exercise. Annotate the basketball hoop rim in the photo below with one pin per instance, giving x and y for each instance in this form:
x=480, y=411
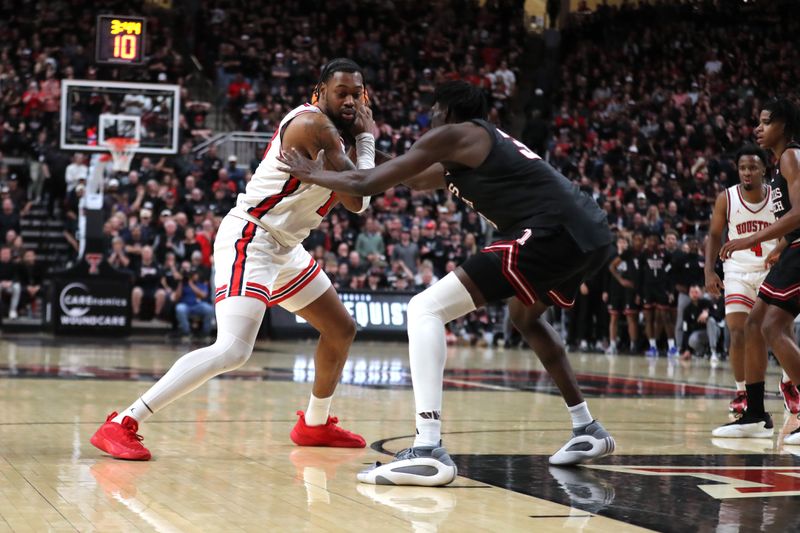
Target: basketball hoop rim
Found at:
x=121, y=142
x=122, y=151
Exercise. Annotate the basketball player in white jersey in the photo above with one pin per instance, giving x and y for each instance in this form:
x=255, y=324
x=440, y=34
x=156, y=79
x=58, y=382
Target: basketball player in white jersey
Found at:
x=261, y=262
x=745, y=209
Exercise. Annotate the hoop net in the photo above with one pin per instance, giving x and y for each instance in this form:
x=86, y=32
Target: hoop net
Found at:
x=122, y=150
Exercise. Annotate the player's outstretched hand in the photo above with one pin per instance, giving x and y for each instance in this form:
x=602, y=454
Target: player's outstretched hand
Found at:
x=714, y=285
x=299, y=166
x=734, y=246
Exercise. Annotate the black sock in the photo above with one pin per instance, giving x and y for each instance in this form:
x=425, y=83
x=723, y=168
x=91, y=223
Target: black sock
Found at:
x=755, y=399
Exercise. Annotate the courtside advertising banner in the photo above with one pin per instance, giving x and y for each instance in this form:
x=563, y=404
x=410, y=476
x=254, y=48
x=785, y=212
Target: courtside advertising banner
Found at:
x=376, y=314
x=91, y=305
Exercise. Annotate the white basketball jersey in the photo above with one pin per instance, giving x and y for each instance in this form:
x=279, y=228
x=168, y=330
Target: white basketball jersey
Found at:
x=282, y=205
x=745, y=219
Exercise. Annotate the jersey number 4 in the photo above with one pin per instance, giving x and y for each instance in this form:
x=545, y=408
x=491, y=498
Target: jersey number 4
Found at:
x=757, y=250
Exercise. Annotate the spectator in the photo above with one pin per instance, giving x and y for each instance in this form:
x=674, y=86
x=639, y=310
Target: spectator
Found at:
x=425, y=277
x=9, y=281
x=169, y=241
x=406, y=251
x=431, y=248
x=369, y=243
x=190, y=243
x=117, y=257
x=192, y=297
x=224, y=182
x=76, y=171
x=31, y=278
x=235, y=174
x=9, y=216
x=147, y=284
x=701, y=328
x=376, y=280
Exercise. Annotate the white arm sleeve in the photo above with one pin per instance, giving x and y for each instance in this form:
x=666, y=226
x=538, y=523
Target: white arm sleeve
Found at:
x=365, y=153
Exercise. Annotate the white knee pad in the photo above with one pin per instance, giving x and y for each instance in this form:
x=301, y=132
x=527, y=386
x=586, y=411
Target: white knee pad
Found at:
x=238, y=321
x=446, y=300
x=229, y=353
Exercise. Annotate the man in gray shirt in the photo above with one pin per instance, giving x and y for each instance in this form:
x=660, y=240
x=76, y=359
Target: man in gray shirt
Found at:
x=406, y=251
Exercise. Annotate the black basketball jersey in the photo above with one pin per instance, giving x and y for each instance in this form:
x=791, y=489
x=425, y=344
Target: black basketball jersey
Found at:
x=514, y=189
x=780, y=196
x=629, y=267
x=656, y=264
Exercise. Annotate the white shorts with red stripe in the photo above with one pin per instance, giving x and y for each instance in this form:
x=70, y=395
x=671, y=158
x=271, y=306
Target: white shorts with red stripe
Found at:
x=249, y=262
x=741, y=289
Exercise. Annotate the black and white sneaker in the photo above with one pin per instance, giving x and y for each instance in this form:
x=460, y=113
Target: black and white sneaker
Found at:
x=747, y=427
x=425, y=466
x=588, y=442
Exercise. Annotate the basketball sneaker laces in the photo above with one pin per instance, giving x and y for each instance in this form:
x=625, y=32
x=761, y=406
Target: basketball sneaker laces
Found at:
x=131, y=437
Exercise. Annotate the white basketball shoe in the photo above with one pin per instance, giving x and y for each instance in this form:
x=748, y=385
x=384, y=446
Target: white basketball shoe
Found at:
x=588, y=442
x=424, y=466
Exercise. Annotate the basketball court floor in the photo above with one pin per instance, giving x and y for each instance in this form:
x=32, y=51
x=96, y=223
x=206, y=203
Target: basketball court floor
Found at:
x=223, y=460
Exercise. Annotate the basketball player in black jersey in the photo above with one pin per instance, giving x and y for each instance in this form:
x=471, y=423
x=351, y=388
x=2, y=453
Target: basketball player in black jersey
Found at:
x=552, y=238
x=779, y=296
x=623, y=297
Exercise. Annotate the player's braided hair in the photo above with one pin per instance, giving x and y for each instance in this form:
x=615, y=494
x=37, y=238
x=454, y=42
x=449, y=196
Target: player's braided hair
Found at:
x=784, y=110
x=340, y=64
x=463, y=100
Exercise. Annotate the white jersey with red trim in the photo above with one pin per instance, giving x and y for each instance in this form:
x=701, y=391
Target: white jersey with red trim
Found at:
x=745, y=219
x=280, y=203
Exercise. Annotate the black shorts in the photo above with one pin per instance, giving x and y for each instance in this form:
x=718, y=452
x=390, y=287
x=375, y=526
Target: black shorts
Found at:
x=781, y=288
x=622, y=301
x=543, y=269
x=617, y=300
x=655, y=296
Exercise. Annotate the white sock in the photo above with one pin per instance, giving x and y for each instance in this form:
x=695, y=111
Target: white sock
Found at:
x=580, y=415
x=612, y=344
x=428, y=312
x=138, y=410
x=238, y=322
x=653, y=343
x=785, y=378
x=671, y=343
x=317, y=412
x=740, y=386
x=429, y=429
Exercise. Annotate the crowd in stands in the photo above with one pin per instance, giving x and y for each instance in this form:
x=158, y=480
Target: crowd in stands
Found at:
x=646, y=119
x=649, y=117
x=169, y=208
x=404, y=51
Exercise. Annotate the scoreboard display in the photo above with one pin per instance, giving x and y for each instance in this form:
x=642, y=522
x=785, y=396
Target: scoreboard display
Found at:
x=120, y=39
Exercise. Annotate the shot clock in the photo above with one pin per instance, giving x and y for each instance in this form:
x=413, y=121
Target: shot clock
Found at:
x=120, y=39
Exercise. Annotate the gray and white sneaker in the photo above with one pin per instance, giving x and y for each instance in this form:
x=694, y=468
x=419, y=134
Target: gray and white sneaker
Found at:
x=588, y=442
x=747, y=427
x=425, y=466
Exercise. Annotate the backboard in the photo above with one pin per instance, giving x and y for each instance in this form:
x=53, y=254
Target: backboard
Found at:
x=93, y=111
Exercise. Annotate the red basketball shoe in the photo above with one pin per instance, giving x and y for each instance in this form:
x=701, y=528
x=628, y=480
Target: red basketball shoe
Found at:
x=121, y=440
x=328, y=434
x=791, y=397
x=739, y=403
